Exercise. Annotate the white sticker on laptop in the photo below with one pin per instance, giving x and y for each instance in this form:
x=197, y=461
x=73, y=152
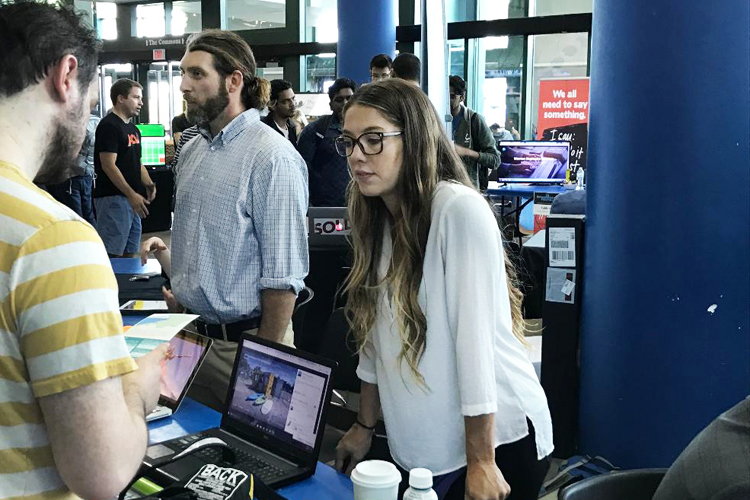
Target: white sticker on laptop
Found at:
x=562, y=246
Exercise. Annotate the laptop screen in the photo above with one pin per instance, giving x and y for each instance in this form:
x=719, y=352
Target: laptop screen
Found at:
x=533, y=161
x=279, y=394
x=184, y=356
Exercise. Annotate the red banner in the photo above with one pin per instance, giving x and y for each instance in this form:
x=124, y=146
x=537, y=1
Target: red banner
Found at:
x=561, y=103
x=564, y=116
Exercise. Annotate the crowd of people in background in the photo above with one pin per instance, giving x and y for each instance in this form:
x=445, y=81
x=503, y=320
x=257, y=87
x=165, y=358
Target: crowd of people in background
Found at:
x=113, y=187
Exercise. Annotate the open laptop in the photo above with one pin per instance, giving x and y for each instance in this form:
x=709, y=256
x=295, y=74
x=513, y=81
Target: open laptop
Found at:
x=273, y=419
x=537, y=162
x=186, y=353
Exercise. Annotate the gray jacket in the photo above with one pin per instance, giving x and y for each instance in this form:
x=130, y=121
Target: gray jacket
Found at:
x=473, y=133
x=85, y=161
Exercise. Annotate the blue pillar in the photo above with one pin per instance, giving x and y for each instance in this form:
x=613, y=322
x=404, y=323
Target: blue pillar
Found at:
x=666, y=329
x=366, y=28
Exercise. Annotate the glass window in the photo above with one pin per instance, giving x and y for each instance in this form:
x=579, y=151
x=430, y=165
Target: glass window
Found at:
x=319, y=72
x=321, y=21
x=494, y=88
x=255, y=14
x=558, y=7
x=553, y=56
x=106, y=20
x=149, y=20
x=456, y=57
x=481, y=10
x=86, y=9
x=186, y=17
x=158, y=94
x=108, y=74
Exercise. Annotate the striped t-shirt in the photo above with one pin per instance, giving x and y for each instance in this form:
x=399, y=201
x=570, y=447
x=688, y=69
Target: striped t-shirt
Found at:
x=60, y=327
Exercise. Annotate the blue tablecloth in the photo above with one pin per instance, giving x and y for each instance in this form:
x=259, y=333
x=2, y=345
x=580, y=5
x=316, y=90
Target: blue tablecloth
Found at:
x=133, y=266
x=191, y=417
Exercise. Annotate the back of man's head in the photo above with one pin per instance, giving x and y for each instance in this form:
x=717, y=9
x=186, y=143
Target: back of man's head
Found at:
x=34, y=37
x=407, y=67
x=339, y=85
x=231, y=53
x=278, y=86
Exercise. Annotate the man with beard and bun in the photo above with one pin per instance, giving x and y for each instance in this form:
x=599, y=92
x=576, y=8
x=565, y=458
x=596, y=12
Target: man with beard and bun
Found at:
x=239, y=241
x=73, y=400
x=123, y=188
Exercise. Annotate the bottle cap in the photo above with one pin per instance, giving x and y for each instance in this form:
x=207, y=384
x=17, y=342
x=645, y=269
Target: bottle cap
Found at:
x=420, y=478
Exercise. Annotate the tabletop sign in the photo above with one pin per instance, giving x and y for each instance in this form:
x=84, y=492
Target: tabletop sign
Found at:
x=564, y=115
x=159, y=54
x=331, y=227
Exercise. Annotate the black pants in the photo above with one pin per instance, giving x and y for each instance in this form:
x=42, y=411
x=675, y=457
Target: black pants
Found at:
x=518, y=463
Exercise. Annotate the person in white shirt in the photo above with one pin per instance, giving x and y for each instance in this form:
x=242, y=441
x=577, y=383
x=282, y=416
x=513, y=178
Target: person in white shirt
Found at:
x=434, y=311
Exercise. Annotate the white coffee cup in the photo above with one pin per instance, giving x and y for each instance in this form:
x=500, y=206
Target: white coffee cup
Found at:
x=375, y=480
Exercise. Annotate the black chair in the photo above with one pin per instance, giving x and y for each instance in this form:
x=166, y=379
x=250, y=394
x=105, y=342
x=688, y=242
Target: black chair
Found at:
x=298, y=314
x=637, y=484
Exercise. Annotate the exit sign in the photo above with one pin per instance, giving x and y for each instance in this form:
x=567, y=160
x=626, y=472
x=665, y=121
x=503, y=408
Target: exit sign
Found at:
x=160, y=54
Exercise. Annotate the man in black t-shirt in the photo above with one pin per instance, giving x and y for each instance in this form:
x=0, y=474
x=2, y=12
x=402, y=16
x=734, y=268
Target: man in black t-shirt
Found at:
x=123, y=187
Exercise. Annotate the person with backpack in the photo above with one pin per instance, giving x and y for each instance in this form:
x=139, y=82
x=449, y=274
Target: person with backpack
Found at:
x=328, y=173
x=472, y=137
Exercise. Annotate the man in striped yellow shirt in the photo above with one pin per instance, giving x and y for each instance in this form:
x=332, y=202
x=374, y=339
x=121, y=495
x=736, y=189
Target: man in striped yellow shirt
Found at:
x=72, y=400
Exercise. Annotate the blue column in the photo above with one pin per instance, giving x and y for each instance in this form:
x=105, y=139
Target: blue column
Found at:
x=366, y=28
x=666, y=329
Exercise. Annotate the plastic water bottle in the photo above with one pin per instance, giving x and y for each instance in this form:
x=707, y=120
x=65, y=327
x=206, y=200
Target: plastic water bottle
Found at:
x=420, y=485
x=579, y=178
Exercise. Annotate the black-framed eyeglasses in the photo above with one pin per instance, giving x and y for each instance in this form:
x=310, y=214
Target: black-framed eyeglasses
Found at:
x=456, y=96
x=371, y=143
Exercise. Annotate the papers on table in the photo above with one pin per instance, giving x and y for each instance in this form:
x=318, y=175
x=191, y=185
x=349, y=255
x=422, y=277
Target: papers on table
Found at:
x=148, y=333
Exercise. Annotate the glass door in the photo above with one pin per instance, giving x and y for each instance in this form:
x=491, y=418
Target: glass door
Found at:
x=163, y=93
x=108, y=74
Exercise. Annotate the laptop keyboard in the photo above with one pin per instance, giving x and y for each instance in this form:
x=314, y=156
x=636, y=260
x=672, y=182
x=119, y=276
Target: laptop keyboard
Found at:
x=267, y=472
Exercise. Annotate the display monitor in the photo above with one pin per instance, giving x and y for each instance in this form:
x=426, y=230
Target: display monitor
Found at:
x=153, y=150
x=533, y=161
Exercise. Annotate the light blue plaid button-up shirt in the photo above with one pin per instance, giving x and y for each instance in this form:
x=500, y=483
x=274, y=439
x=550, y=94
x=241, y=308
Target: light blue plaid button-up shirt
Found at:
x=239, y=220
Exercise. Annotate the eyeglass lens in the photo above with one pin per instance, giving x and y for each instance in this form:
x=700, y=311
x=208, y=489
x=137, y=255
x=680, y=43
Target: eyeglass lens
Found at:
x=371, y=144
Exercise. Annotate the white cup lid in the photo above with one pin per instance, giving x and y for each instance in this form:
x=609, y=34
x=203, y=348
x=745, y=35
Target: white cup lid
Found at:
x=420, y=478
x=376, y=474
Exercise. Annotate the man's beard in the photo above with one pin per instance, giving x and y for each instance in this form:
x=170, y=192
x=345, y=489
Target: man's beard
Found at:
x=63, y=146
x=207, y=112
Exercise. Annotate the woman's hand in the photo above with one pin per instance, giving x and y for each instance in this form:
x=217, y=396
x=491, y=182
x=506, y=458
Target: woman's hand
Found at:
x=352, y=448
x=484, y=481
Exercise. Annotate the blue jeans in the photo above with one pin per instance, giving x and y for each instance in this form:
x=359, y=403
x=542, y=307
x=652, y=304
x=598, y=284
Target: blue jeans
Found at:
x=118, y=225
x=75, y=193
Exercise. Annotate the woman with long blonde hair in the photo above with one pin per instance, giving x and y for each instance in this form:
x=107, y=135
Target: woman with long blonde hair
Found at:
x=434, y=311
